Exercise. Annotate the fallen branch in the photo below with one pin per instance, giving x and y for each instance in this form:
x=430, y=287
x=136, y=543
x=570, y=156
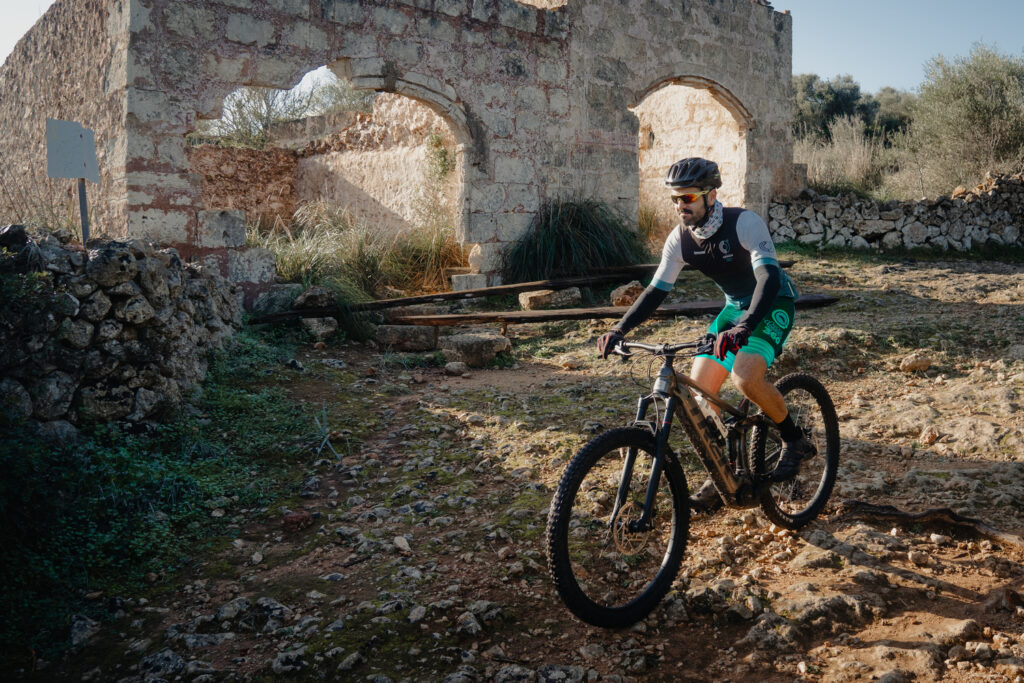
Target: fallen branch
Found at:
x=859, y=509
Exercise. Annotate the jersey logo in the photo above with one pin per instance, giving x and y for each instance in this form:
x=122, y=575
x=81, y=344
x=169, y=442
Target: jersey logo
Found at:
x=724, y=246
x=781, y=318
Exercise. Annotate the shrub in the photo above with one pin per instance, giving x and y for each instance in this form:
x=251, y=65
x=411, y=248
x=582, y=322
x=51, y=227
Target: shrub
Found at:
x=572, y=237
x=845, y=162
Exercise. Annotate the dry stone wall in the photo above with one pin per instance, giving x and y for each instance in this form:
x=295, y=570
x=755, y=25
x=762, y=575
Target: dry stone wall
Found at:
x=539, y=99
x=120, y=336
x=991, y=213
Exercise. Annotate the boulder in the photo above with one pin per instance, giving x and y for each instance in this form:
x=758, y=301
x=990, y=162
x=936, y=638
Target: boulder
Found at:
x=112, y=265
x=475, y=349
x=314, y=297
x=276, y=299
x=627, y=294
x=550, y=298
x=15, y=402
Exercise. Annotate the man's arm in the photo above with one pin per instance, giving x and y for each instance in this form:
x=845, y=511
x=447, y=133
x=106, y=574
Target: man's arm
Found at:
x=646, y=304
x=769, y=280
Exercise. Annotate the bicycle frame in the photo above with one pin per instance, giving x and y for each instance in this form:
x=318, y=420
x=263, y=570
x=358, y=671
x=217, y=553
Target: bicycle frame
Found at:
x=722, y=455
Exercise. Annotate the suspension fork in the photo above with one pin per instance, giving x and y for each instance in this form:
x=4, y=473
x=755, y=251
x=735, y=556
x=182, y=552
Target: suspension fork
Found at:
x=661, y=447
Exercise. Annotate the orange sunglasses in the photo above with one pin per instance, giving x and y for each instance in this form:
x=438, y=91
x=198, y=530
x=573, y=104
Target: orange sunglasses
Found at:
x=688, y=198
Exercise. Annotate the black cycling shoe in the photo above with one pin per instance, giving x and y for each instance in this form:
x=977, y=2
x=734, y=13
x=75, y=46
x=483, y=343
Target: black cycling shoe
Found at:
x=706, y=499
x=793, y=453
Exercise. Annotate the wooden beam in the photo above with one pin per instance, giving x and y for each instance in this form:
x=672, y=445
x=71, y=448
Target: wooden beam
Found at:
x=691, y=308
x=603, y=277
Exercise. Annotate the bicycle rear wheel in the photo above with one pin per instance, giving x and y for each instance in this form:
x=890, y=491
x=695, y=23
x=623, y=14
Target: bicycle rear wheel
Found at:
x=608, y=572
x=794, y=503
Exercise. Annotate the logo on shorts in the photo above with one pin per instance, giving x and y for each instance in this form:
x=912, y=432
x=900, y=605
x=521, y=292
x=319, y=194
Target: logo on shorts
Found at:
x=781, y=318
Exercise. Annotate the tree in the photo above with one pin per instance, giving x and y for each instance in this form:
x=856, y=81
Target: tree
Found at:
x=970, y=113
x=249, y=112
x=817, y=103
x=890, y=111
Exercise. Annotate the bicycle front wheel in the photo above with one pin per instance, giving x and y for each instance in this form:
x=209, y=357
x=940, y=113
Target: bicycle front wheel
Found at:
x=608, y=568
x=793, y=504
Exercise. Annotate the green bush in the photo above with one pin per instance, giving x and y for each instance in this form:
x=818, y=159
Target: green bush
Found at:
x=969, y=120
x=572, y=237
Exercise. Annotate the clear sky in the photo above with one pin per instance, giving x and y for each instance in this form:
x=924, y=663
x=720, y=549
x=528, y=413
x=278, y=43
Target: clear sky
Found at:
x=887, y=42
x=877, y=42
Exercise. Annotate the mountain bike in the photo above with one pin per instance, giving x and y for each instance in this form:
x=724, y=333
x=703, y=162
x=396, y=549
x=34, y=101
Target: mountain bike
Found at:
x=618, y=523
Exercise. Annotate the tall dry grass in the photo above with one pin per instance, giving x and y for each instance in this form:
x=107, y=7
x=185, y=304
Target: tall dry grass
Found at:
x=848, y=163
x=327, y=245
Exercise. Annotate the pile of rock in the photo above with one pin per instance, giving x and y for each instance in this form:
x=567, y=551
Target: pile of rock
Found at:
x=120, y=335
x=991, y=213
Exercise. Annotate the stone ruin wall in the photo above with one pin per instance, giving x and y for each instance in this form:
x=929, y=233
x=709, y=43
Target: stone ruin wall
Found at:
x=259, y=182
x=677, y=122
x=124, y=335
x=991, y=213
x=540, y=99
x=83, y=47
x=375, y=166
x=378, y=167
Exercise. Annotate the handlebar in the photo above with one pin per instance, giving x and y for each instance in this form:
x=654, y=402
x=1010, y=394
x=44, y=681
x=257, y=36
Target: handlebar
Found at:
x=703, y=345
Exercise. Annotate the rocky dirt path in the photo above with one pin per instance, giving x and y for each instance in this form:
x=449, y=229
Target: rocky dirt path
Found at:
x=419, y=554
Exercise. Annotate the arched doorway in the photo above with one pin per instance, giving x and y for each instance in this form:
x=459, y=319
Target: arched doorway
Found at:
x=687, y=117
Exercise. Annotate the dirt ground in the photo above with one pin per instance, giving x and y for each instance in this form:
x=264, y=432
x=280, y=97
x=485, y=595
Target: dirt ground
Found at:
x=419, y=553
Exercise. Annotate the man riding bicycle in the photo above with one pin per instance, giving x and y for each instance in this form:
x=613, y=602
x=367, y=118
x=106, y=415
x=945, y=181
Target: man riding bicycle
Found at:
x=732, y=246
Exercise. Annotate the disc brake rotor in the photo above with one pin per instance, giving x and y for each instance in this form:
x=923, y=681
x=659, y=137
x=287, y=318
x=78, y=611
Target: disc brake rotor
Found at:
x=628, y=542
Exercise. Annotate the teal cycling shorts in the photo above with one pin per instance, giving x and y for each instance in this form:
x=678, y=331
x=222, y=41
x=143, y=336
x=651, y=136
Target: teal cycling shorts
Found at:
x=768, y=337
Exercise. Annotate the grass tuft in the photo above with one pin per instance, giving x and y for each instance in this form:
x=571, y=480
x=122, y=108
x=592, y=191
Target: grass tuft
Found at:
x=572, y=237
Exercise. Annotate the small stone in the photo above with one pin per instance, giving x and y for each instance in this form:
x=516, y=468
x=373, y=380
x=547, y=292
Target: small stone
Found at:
x=919, y=558
x=918, y=361
x=256, y=557
x=402, y=544
x=456, y=368
x=939, y=539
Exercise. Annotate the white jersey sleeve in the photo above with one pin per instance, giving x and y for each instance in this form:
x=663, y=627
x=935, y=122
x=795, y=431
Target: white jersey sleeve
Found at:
x=671, y=262
x=753, y=236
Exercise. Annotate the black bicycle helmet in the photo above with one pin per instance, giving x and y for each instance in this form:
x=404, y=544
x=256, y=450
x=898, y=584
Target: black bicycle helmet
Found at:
x=694, y=172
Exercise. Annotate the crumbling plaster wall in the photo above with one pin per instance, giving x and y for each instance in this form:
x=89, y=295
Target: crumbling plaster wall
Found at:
x=539, y=99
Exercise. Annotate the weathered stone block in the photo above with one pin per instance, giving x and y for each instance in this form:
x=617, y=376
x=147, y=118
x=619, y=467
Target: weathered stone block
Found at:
x=276, y=299
x=160, y=226
x=247, y=30
x=513, y=170
x=513, y=226
x=549, y=298
x=626, y=294
x=407, y=337
x=461, y=283
x=295, y=8
x=251, y=265
x=517, y=16
x=221, y=229
x=486, y=258
x=475, y=349
x=452, y=8
x=321, y=329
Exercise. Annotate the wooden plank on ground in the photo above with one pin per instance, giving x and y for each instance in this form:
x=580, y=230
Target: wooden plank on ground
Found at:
x=690, y=308
x=605, y=276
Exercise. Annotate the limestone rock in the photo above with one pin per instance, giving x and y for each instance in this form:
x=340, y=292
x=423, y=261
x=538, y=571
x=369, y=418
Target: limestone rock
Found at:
x=550, y=298
x=15, y=402
x=626, y=294
x=476, y=349
x=314, y=297
x=112, y=265
x=276, y=299
x=918, y=361
x=321, y=329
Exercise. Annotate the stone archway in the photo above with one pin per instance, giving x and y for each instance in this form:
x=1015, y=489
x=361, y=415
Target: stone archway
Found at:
x=690, y=116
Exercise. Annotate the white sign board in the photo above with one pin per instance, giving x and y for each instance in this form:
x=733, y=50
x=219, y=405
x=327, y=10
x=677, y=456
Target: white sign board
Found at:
x=70, y=151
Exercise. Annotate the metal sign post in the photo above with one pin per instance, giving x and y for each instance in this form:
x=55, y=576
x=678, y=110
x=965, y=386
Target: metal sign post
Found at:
x=71, y=153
